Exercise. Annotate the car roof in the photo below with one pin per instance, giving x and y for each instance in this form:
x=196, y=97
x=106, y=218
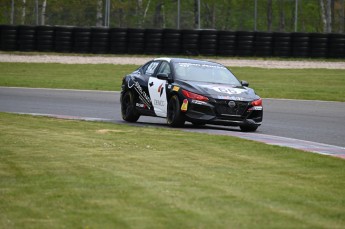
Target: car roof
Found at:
x=186, y=60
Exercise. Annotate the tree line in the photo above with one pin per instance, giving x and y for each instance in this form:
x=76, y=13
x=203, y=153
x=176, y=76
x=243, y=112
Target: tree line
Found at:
x=259, y=15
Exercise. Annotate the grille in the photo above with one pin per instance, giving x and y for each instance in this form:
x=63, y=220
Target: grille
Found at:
x=223, y=108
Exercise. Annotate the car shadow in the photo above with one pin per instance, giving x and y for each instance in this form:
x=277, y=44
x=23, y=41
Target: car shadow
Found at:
x=187, y=126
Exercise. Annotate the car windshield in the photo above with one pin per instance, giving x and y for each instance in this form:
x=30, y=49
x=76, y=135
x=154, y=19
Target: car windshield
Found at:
x=204, y=72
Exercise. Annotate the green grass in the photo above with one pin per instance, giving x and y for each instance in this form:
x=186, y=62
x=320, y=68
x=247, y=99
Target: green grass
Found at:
x=67, y=76
x=311, y=84
x=74, y=174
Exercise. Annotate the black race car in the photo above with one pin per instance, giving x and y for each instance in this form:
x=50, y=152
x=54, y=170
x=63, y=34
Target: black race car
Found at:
x=197, y=91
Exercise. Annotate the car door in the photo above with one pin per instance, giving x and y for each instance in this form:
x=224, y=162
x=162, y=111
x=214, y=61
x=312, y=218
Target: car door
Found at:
x=146, y=72
x=157, y=90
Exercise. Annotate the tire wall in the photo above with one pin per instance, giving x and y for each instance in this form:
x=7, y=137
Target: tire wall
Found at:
x=170, y=42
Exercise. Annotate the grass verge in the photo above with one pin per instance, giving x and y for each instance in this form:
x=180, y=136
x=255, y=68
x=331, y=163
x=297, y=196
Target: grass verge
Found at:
x=310, y=84
x=59, y=173
x=66, y=76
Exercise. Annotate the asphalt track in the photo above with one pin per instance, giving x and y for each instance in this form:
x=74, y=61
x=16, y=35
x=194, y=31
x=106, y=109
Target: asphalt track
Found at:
x=315, y=126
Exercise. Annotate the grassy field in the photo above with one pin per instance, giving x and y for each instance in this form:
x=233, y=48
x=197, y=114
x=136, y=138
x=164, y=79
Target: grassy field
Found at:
x=313, y=84
x=74, y=174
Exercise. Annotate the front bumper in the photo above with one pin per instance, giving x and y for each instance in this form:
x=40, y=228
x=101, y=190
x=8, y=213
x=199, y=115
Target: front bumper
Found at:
x=219, y=112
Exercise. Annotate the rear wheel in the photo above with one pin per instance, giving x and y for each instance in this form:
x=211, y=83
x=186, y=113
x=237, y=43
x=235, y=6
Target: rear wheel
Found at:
x=128, y=110
x=174, y=117
x=248, y=128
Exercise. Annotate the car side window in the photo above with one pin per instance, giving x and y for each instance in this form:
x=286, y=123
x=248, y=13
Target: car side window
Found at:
x=164, y=68
x=150, y=68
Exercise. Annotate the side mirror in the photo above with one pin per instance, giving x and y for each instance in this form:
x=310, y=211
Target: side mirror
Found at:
x=164, y=76
x=244, y=83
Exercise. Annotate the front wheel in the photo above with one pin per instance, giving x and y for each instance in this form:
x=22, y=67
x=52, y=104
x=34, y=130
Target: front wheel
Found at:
x=175, y=117
x=128, y=110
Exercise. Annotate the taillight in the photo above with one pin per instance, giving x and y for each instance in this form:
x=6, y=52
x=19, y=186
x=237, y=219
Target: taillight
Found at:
x=192, y=95
x=257, y=103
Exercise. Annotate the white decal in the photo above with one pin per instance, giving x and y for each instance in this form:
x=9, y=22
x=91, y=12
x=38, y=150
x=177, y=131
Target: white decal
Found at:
x=151, y=68
x=142, y=94
x=199, y=102
x=228, y=90
x=157, y=90
x=227, y=97
x=186, y=65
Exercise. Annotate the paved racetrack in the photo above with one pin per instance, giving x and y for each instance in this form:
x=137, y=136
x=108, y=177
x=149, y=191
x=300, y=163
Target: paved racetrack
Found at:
x=315, y=121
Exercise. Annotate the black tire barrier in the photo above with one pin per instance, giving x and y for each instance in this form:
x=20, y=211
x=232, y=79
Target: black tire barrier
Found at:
x=63, y=39
x=136, y=41
x=336, y=45
x=281, y=44
x=172, y=39
x=81, y=40
x=26, y=38
x=226, y=43
x=45, y=38
x=318, y=45
x=154, y=41
x=245, y=43
x=263, y=44
x=118, y=40
x=190, y=42
x=300, y=44
x=208, y=42
x=99, y=40
x=8, y=37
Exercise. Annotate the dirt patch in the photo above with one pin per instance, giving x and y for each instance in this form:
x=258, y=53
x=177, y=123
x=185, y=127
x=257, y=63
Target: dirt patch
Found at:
x=230, y=62
x=105, y=131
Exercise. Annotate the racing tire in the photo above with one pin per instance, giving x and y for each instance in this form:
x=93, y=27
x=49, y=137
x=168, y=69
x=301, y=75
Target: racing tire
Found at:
x=248, y=128
x=174, y=116
x=128, y=110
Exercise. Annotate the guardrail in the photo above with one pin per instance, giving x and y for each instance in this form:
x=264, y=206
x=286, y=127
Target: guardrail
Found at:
x=170, y=42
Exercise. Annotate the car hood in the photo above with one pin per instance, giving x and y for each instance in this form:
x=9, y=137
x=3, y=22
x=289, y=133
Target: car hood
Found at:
x=220, y=91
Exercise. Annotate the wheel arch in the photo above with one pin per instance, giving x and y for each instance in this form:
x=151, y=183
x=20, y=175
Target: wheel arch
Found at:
x=172, y=93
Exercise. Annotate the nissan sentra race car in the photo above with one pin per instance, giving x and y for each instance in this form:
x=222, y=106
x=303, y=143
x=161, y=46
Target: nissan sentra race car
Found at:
x=180, y=90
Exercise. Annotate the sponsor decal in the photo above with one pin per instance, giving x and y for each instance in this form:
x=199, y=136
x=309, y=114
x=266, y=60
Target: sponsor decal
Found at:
x=176, y=88
x=151, y=84
x=132, y=83
x=160, y=90
x=198, y=102
x=184, y=106
x=141, y=105
x=159, y=102
x=227, y=97
x=186, y=65
x=257, y=108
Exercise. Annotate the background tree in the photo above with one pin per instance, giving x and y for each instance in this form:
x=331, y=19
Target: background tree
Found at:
x=273, y=15
x=99, y=14
x=158, y=19
x=281, y=16
x=23, y=11
x=269, y=15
